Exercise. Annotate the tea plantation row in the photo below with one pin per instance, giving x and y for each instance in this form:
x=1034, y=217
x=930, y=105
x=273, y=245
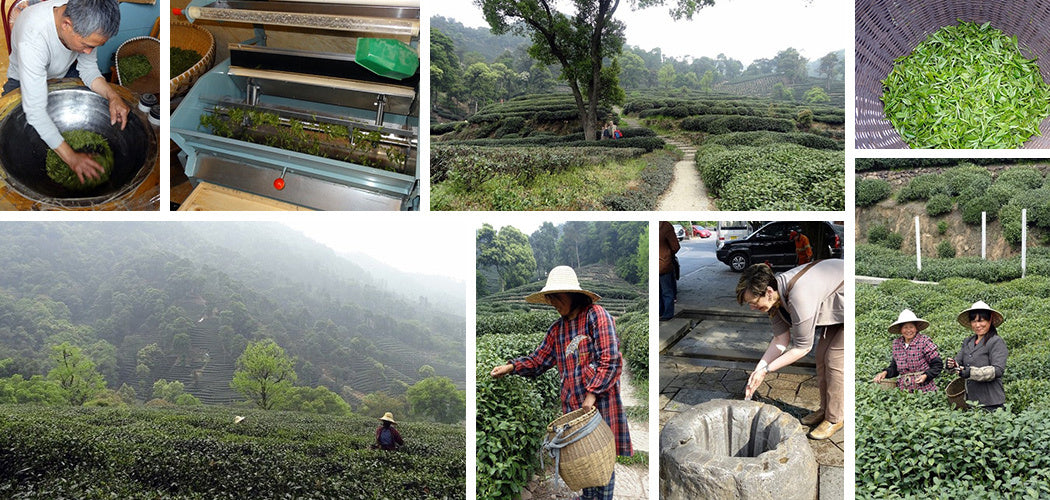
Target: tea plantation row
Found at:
x=67, y=452
x=915, y=445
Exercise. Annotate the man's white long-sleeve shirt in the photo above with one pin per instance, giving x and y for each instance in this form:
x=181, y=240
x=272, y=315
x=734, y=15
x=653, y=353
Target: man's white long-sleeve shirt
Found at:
x=37, y=54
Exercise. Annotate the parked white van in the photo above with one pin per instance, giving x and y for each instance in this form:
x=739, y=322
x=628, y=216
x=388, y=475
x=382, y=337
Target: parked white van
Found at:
x=732, y=230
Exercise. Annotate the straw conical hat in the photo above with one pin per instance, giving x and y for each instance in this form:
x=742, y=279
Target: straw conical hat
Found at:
x=388, y=417
x=906, y=316
x=562, y=279
x=964, y=317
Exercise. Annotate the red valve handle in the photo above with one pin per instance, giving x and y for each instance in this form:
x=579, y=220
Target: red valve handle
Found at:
x=278, y=183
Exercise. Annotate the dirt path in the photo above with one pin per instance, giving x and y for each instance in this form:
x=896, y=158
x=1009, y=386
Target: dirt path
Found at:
x=687, y=191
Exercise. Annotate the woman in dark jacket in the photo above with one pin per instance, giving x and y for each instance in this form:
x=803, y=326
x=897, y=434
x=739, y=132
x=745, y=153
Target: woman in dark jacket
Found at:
x=982, y=358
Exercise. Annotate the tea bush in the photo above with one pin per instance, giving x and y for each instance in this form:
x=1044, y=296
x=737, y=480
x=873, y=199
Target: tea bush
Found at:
x=128, y=452
x=512, y=415
x=939, y=204
x=655, y=179
x=633, y=330
x=872, y=260
x=795, y=169
x=871, y=191
x=942, y=227
x=945, y=250
x=922, y=188
x=915, y=445
x=972, y=209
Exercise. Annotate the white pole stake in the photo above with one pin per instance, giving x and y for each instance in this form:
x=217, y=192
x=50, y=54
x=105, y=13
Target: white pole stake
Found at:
x=918, y=250
x=984, y=235
x=1024, y=239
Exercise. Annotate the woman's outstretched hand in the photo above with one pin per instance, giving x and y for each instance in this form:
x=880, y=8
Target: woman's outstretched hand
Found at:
x=502, y=370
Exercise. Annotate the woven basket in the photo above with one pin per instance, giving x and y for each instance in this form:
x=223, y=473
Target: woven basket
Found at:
x=887, y=383
x=588, y=462
x=187, y=36
x=888, y=30
x=146, y=46
x=956, y=392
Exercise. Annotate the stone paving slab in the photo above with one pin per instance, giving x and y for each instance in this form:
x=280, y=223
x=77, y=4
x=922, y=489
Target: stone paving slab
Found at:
x=673, y=329
x=729, y=339
x=832, y=486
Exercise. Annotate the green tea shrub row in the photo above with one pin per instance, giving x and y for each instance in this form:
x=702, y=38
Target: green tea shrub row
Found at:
x=512, y=415
x=138, y=452
x=871, y=191
x=866, y=164
x=655, y=179
x=768, y=138
x=444, y=128
x=762, y=171
x=923, y=187
x=471, y=166
x=873, y=260
x=722, y=124
x=641, y=141
x=633, y=330
x=516, y=323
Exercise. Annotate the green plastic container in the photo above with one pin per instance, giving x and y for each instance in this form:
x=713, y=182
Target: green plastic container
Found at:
x=387, y=57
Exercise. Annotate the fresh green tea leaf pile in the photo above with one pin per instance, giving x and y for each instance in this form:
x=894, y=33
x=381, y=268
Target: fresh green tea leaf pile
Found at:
x=966, y=87
x=182, y=60
x=83, y=141
x=133, y=67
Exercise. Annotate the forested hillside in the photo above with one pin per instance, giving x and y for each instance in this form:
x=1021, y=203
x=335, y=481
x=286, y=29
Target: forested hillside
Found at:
x=149, y=301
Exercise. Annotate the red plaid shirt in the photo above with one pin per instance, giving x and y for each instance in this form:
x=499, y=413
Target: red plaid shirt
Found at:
x=593, y=366
x=914, y=358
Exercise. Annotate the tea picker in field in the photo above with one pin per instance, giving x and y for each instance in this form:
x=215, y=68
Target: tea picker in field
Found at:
x=584, y=347
x=916, y=361
x=804, y=304
x=46, y=39
x=982, y=357
x=387, y=437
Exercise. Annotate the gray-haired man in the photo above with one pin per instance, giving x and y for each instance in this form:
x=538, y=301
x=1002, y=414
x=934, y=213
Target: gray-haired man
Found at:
x=47, y=38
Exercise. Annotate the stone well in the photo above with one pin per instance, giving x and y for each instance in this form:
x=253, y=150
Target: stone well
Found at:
x=731, y=449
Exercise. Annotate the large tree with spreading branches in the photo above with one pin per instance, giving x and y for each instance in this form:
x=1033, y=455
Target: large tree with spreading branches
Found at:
x=579, y=42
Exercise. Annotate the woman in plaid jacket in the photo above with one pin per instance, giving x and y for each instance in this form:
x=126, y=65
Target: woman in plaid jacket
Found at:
x=584, y=347
x=916, y=360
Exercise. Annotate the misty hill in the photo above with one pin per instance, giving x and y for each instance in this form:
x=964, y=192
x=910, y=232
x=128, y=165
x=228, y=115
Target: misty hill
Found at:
x=479, y=40
x=201, y=291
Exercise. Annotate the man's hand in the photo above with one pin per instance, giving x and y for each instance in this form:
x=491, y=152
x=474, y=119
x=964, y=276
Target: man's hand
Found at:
x=82, y=164
x=85, y=166
x=118, y=111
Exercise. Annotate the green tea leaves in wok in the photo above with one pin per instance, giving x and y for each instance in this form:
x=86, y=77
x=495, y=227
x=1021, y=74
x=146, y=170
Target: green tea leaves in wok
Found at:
x=82, y=141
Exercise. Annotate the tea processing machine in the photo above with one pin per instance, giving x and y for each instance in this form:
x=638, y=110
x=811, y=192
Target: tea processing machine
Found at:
x=321, y=130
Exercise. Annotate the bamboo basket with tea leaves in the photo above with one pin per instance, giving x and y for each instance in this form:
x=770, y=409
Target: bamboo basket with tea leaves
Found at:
x=952, y=74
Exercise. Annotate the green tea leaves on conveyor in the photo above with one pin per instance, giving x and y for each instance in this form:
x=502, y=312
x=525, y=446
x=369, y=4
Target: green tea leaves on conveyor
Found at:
x=82, y=141
x=966, y=87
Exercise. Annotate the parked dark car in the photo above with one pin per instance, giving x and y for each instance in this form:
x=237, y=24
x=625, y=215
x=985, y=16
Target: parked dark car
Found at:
x=770, y=244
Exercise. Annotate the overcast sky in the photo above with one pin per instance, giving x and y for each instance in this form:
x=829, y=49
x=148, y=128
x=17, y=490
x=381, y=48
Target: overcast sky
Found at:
x=442, y=247
x=744, y=30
